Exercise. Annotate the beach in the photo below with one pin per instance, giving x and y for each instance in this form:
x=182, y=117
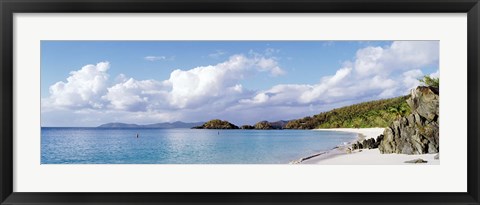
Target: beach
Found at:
x=339, y=155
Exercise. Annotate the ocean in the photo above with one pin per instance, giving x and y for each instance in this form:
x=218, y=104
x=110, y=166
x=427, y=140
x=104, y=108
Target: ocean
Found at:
x=183, y=146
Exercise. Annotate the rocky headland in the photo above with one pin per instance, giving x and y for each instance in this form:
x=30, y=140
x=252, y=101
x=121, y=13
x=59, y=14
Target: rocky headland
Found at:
x=417, y=133
x=262, y=125
x=413, y=138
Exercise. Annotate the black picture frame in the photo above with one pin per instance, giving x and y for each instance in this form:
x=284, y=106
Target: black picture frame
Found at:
x=10, y=7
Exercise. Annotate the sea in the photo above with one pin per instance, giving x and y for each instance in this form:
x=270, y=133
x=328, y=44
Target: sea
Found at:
x=183, y=146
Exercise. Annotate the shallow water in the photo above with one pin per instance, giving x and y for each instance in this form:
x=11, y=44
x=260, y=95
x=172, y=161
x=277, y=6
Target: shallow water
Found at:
x=183, y=146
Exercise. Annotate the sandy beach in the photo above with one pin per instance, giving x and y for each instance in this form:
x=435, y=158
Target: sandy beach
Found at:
x=339, y=156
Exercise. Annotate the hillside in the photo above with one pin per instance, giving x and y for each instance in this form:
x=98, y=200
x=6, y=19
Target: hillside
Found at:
x=378, y=113
x=265, y=125
x=418, y=132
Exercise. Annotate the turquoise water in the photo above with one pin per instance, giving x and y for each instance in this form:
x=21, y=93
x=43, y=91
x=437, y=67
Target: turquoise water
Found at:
x=183, y=146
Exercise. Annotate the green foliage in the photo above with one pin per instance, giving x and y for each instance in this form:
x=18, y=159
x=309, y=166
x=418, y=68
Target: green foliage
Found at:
x=429, y=81
x=263, y=125
x=217, y=124
x=378, y=113
x=247, y=127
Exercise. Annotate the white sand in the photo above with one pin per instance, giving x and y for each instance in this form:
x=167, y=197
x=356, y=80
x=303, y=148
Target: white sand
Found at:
x=367, y=132
x=365, y=156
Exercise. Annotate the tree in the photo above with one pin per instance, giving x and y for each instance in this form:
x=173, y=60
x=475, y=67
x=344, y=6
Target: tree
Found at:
x=263, y=125
x=430, y=81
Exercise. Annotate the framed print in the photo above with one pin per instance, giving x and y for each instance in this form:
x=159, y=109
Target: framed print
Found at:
x=185, y=102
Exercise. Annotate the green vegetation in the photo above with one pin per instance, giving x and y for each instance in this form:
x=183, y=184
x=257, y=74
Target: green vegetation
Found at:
x=263, y=125
x=216, y=124
x=429, y=81
x=378, y=113
x=247, y=127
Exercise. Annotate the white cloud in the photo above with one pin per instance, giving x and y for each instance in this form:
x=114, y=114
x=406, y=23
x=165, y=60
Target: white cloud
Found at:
x=270, y=64
x=82, y=89
x=376, y=72
x=400, y=55
x=216, y=91
x=271, y=51
x=412, y=54
x=436, y=74
x=328, y=43
x=133, y=95
x=411, y=78
x=217, y=54
x=368, y=60
x=215, y=85
x=208, y=83
x=324, y=86
x=158, y=58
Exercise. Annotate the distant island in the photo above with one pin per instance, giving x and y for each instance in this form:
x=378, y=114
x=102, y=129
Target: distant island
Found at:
x=165, y=125
x=262, y=125
x=376, y=113
x=217, y=124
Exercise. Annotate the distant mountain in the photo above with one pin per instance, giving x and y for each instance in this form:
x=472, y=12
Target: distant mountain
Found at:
x=119, y=125
x=279, y=124
x=164, y=125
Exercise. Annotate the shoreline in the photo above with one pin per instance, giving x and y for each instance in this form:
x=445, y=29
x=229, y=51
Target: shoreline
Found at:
x=340, y=156
x=362, y=134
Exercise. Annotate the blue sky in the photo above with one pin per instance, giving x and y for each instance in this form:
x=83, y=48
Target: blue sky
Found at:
x=95, y=82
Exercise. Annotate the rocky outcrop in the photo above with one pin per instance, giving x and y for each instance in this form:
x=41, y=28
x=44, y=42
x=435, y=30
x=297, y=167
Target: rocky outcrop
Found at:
x=416, y=161
x=367, y=143
x=418, y=132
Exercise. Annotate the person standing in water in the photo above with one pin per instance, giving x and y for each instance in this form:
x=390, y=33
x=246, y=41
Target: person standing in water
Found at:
x=137, y=135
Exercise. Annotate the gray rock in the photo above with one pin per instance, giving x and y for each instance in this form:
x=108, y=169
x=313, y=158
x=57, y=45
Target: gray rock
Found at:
x=368, y=143
x=416, y=161
x=418, y=132
x=437, y=156
x=424, y=100
x=354, y=146
x=359, y=145
x=377, y=142
x=348, y=150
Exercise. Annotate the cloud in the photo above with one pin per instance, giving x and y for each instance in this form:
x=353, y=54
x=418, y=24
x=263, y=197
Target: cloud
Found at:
x=376, y=72
x=82, y=89
x=134, y=95
x=158, y=58
x=205, y=84
x=400, y=55
x=411, y=78
x=436, y=74
x=216, y=91
x=216, y=85
x=271, y=51
x=217, y=54
x=328, y=43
